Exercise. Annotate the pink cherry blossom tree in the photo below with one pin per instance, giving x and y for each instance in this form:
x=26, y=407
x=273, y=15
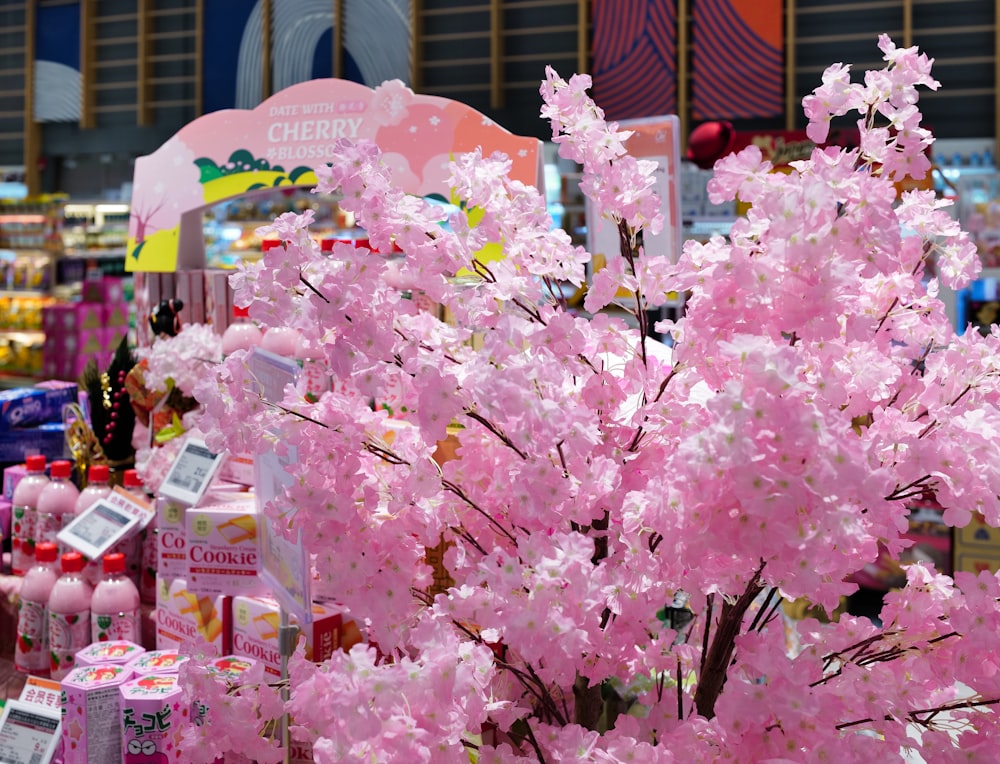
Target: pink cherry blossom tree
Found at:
x=622, y=524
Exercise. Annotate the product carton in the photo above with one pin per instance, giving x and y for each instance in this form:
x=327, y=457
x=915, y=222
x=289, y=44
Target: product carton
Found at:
x=29, y=406
x=171, y=547
x=182, y=615
x=89, y=315
x=108, y=289
x=237, y=468
x=91, y=713
x=221, y=546
x=11, y=477
x=6, y=509
x=153, y=717
x=118, y=652
x=255, y=631
x=157, y=662
x=49, y=440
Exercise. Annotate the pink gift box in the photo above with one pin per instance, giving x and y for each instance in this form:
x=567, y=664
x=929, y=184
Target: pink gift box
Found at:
x=112, y=337
x=153, y=717
x=89, y=315
x=107, y=289
x=115, y=314
x=11, y=477
x=118, y=652
x=91, y=725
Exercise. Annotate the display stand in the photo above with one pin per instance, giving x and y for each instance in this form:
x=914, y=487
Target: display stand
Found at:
x=230, y=154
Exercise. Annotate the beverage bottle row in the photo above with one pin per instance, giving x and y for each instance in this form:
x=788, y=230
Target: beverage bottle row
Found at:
x=59, y=615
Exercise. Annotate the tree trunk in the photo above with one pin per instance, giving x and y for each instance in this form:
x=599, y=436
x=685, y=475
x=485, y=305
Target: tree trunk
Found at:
x=720, y=653
x=589, y=705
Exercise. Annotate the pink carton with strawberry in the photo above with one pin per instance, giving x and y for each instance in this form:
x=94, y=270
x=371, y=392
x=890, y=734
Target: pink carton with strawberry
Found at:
x=153, y=715
x=91, y=708
x=118, y=652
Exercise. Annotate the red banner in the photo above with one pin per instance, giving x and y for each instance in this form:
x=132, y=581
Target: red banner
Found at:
x=738, y=68
x=635, y=57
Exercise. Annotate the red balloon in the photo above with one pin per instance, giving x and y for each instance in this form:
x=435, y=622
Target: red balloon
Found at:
x=709, y=142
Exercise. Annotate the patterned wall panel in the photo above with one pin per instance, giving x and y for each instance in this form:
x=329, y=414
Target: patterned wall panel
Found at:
x=635, y=57
x=737, y=70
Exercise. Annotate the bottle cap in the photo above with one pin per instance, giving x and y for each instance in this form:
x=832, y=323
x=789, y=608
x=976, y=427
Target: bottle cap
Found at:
x=114, y=563
x=72, y=562
x=99, y=473
x=35, y=463
x=131, y=479
x=46, y=552
x=61, y=469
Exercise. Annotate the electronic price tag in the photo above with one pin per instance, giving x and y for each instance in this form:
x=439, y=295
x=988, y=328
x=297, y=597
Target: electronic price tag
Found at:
x=98, y=529
x=29, y=733
x=191, y=473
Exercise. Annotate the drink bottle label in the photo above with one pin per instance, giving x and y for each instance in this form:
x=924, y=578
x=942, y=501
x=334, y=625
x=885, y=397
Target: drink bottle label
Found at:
x=68, y=633
x=31, y=652
x=123, y=625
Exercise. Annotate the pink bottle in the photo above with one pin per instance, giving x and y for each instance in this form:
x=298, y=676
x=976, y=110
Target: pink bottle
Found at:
x=57, y=502
x=114, y=608
x=24, y=518
x=282, y=340
x=97, y=489
x=242, y=334
x=148, y=554
x=31, y=652
x=131, y=546
x=69, y=616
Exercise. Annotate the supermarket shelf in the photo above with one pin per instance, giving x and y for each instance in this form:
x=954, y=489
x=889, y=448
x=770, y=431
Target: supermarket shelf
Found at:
x=12, y=379
x=24, y=293
x=96, y=254
x=23, y=335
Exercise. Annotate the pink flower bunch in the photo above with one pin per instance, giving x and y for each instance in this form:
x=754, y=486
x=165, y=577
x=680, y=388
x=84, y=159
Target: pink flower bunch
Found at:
x=180, y=361
x=577, y=479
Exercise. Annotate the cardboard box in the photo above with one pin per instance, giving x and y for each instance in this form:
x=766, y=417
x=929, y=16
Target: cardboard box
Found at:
x=12, y=475
x=150, y=728
x=222, y=552
x=106, y=289
x=117, y=652
x=49, y=440
x=157, y=662
x=30, y=406
x=182, y=615
x=255, y=623
x=116, y=314
x=171, y=546
x=91, y=710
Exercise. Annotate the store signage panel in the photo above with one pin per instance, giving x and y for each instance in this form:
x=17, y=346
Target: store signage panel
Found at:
x=233, y=152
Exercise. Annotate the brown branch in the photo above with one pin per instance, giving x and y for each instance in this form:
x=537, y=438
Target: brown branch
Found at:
x=456, y=490
x=495, y=430
x=313, y=289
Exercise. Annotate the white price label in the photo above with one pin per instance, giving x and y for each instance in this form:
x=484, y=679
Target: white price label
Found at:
x=28, y=733
x=191, y=473
x=132, y=505
x=98, y=529
x=284, y=565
